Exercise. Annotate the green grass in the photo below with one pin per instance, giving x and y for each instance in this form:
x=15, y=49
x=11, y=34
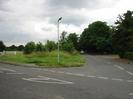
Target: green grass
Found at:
x=47, y=59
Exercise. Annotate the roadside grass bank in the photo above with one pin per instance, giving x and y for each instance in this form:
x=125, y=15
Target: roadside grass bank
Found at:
x=45, y=59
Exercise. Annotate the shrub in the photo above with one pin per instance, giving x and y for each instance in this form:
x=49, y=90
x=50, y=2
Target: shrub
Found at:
x=40, y=47
x=121, y=54
x=29, y=47
x=68, y=46
x=128, y=55
x=50, y=46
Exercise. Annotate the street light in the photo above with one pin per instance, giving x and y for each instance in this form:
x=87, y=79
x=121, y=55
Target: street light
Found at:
x=58, y=24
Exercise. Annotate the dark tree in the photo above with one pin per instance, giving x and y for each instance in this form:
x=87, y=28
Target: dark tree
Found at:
x=12, y=48
x=2, y=46
x=29, y=47
x=20, y=48
x=123, y=37
x=96, y=38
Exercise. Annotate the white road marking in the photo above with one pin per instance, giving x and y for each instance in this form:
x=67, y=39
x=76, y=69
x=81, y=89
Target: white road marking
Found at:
x=129, y=73
x=69, y=73
x=131, y=94
x=6, y=69
x=42, y=79
x=91, y=76
x=15, y=73
x=103, y=77
x=121, y=68
x=117, y=79
x=130, y=81
x=79, y=75
x=75, y=74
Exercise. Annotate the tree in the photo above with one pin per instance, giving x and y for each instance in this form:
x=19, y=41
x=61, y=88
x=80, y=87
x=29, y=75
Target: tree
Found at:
x=29, y=47
x=50, y=46
x=12, y=48
x=39, y=47
x=96, y=38
x=68, y=47
x=2, y=46
x=73, y=37
x=123, y=37
x=20, y=48
x=63, y=36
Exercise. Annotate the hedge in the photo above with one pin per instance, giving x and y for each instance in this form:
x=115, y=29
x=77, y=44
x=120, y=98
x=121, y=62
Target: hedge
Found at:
x=128, y=55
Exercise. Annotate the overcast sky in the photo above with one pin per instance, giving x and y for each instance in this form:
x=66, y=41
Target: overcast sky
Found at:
x=36, y=20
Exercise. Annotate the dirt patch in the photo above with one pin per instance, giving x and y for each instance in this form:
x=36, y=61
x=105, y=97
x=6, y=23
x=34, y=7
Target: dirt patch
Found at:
x=122, y=60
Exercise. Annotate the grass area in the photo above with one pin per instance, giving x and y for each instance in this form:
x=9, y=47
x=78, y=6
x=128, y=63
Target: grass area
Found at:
x=47, y=59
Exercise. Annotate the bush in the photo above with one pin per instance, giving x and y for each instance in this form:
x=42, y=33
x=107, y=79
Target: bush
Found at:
x=29, y=47
x=40, y=47
x=68, y=47
x=128, y=55
x=121, y=54
x=50, y=46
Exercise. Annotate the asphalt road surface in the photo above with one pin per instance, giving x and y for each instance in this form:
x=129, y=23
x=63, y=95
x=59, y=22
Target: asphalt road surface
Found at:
x=102, y=77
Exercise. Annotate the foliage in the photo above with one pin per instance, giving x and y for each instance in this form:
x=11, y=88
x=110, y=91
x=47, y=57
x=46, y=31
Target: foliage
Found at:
x=12, y=48
x=29, y=47
x=68, y=46
x=50, y=46
x=39, y=47
x=2, y=46
x=96, y=38
x=128, y=55
x=68, y=43
x=20, y=48
x=123, y=37
x=73, y=37
x=63, y=36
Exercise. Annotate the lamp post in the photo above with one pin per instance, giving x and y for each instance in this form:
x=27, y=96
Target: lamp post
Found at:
x=58, y=25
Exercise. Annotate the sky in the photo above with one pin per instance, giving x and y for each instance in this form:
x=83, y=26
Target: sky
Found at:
x=22, y=21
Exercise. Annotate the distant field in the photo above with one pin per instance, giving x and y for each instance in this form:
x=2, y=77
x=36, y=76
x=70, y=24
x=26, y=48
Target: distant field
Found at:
x=46, y=59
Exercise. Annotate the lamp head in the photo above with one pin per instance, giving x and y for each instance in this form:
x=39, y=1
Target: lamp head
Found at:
x=59, y=19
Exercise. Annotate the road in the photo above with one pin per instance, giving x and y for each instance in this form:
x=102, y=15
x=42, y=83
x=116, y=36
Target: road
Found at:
x=101, y=77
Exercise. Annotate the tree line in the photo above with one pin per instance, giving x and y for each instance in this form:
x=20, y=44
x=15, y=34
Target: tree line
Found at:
x=98, y=37
x=67, y=43
x=3, y=47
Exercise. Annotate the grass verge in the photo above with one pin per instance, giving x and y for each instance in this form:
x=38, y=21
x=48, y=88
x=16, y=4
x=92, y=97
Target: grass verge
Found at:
x=47, y=59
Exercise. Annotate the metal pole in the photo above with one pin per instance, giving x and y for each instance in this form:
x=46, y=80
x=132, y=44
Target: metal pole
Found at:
x=58, y=42
x=58, y=24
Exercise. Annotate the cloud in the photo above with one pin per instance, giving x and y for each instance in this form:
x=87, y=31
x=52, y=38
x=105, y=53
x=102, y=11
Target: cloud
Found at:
x=77, y=4
x=25, y=20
